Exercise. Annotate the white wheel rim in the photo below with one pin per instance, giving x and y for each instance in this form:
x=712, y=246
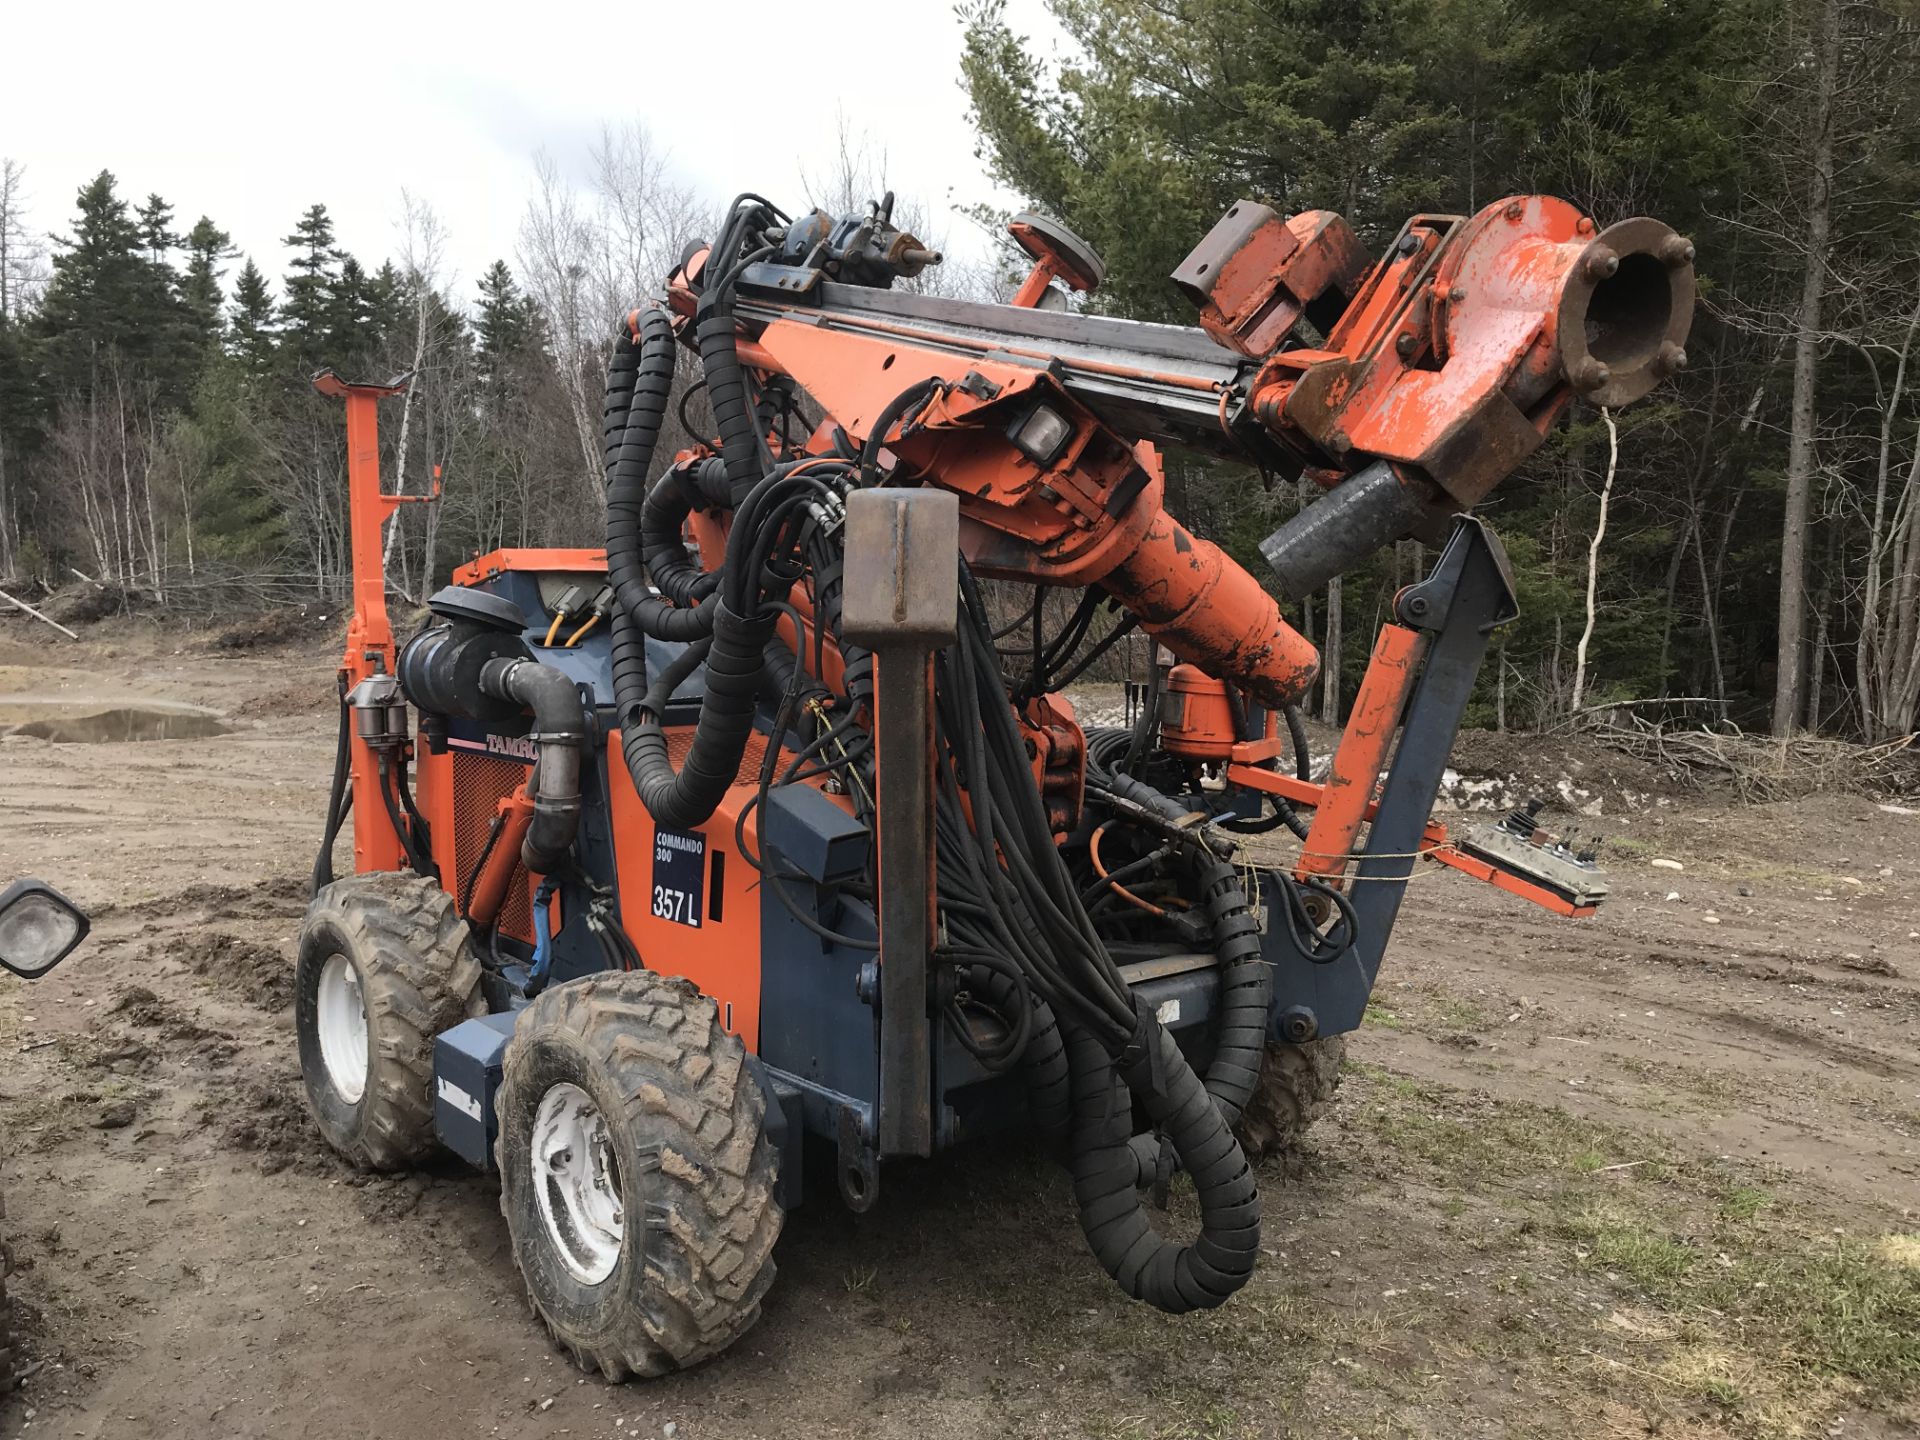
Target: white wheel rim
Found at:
x=577, y=1183
x=343, y=1028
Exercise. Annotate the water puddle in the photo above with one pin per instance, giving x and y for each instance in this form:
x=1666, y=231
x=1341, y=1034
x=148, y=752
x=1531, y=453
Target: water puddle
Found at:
x=114, y=725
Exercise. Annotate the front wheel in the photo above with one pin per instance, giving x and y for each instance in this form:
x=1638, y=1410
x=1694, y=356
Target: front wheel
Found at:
x=384, y=967
x=635, y=1174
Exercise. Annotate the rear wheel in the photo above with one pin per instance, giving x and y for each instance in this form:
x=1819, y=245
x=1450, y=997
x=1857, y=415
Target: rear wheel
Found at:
x=635, y=1174
x=1296, y=1086
x=383, y=968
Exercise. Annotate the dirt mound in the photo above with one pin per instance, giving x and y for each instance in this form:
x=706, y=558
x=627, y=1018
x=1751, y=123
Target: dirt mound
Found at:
x=144, y=1010
x=255, y=973
x=273, y=628
x=87, y=603
x=267, y=1117
x=1495, y=770
x=299, y=699
x=276, y=897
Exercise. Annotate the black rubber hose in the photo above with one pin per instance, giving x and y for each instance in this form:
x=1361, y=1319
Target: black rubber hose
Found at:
x=1246, y=980
x=621, y=372
x=401, y=829
x=1044, y=1055
x=1297, y=732
x=560, y=732
x=643, y=524
x=1284, y=811
x=687, y=797
x=1171, y=1277
x=422, y=836
x=338, y=798
x=727, y=392
x=877, y=434
x=1148, y=723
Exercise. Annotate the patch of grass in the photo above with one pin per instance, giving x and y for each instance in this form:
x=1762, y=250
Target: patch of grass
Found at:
x=1478, y=1143
x=1634, y=849
x=1749, y=1308
x=1742, y=1203
x=1901, y=1251
x=1617, y=1239
x=1378, y=1014
x=1846, y=1309
x=1824, y=1306
x=1458, y=1014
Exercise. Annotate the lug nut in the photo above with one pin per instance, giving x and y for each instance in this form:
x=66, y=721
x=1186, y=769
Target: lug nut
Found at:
x=1675, y=251
x=1601, y=263
x=1589, y=375
x=1406, y=344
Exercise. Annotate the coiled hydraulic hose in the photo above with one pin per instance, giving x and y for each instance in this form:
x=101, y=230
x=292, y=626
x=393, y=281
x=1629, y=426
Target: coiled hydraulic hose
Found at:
x=1171, y=1277
x=758, y=564
x=1041, y=1049
x=1246, y=980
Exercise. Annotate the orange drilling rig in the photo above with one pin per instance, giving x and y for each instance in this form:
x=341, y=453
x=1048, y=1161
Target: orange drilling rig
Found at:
x=751, y=844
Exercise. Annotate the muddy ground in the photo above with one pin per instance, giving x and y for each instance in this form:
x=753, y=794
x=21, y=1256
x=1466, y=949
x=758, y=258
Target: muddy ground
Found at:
x=1652, y=1173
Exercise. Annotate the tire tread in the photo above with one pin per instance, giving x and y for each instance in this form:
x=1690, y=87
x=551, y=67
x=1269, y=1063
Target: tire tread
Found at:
x=418, y=973
x=698, y=1114
x=1296, y=1086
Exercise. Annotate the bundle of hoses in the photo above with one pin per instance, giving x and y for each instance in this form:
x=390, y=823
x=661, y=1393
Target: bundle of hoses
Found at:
x=727, y=616
x=1006, y=894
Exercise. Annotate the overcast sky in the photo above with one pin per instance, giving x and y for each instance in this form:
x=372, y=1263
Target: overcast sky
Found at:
x=250, y=113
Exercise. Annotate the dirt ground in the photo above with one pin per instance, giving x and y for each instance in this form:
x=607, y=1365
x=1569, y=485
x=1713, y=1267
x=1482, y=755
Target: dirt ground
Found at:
x=1651, y=1173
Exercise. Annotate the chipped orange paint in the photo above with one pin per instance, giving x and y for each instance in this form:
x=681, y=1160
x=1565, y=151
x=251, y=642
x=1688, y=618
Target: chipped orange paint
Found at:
x=1362, y=753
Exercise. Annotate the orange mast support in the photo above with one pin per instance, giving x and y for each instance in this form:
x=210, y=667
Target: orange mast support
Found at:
x=376, y=844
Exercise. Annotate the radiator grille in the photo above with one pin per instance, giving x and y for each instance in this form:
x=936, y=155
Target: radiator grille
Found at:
x=480, y=782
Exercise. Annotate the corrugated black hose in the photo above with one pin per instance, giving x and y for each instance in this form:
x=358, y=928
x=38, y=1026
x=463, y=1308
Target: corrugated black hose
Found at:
x=1013, y=895
x=1170, y=1277
x=644, y=524
x=339, y=797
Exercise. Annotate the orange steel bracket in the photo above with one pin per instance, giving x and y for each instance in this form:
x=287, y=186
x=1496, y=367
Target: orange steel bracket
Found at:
x=1435, y=842
x=369, y=651
x=1362, y=754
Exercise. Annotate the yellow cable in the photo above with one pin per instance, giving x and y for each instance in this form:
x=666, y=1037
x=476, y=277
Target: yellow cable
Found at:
x=554, y=628
x=574, y=639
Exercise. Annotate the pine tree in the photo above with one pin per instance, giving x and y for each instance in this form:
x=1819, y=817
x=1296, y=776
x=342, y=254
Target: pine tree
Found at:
x=387, y=307
x=156, y=232
x=209, y=248
x=504, y=325
x=308, y=315
x=352, y=335
x=253, y=340
x=95, y=300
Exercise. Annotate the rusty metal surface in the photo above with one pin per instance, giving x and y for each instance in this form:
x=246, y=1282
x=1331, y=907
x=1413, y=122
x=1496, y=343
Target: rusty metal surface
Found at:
x=903, y=567
x=901, y=601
